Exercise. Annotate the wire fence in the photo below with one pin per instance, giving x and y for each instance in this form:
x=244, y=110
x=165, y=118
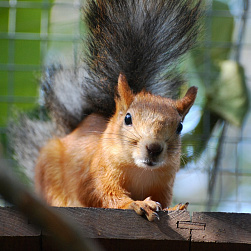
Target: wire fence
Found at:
x=33, y=33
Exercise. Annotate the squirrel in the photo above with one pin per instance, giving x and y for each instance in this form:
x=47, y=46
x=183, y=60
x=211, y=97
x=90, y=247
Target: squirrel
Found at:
x=119, y=110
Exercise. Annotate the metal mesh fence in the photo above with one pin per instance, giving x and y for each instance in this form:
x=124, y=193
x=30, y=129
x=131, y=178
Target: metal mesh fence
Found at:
x=220, y=180
x=35, y=32
x=32, y=32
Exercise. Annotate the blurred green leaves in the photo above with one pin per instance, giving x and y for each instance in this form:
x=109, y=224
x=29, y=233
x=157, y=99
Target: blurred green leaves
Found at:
x=227, y=96
x=221, y=81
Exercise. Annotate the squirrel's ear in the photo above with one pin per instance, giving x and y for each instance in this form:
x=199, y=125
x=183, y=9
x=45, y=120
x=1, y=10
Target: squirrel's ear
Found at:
x=183, y=105
x=125, y=95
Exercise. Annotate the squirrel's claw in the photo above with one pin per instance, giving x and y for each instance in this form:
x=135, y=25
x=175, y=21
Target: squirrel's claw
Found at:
x=156, y=215
x=159, y=207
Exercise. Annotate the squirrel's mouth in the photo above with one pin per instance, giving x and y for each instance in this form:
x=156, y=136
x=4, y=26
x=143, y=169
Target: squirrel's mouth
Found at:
x=149, y=163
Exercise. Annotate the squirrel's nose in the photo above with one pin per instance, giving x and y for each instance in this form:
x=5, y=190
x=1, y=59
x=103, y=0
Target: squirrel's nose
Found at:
x=154, y=149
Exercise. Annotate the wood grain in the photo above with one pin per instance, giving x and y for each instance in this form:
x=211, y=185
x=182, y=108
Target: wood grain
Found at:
x=223, y=227
x=124, y=230
x=12, y=223
x=223, y=231
x=16, y=233
x=126, y=224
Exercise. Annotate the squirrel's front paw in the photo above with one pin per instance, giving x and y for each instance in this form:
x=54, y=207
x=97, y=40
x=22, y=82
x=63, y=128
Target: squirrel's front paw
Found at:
x=146, y=207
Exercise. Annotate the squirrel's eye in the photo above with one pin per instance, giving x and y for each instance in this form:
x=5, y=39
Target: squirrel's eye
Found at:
x=179, y=128
x=128, y=119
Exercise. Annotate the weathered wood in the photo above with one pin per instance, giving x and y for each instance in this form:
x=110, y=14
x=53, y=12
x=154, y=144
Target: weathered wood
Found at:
x=223, y=231
x=124, y=230
x=126, y=224
x=12, y=223
x=216, y=246
x=16, y=233
x=115, y=229
x=38, y=211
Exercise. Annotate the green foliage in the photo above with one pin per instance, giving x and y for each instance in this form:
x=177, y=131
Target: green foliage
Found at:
x=222, y=89
x=227, y=96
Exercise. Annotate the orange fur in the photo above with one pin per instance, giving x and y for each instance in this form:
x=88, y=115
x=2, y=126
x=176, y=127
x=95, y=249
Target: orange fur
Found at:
x=108, y=163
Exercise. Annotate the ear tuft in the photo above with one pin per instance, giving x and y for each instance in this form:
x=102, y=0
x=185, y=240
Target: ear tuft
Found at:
x=183, y=105
x=125, y=95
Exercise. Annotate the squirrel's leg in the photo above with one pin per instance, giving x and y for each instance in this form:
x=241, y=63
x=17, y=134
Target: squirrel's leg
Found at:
x=147, y=207
x=49, y=173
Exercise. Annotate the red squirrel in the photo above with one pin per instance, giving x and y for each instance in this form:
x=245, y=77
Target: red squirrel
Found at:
x=121, y=162
x=121, y=145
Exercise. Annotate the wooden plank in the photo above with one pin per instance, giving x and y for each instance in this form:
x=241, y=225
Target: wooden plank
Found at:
x=216, y=246
x=126, y=245
x=126, y=224
x=146, y=245
x=223, y=231
x=12, y=223
x=125, y=230
x=16, y=233
x=115, y=230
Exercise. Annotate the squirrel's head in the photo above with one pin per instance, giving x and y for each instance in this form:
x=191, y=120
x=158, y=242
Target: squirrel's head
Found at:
x=150, y=125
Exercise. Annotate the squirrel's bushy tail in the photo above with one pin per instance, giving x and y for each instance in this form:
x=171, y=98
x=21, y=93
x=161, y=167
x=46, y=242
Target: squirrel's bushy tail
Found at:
x=140, y=38
x=143, y=40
